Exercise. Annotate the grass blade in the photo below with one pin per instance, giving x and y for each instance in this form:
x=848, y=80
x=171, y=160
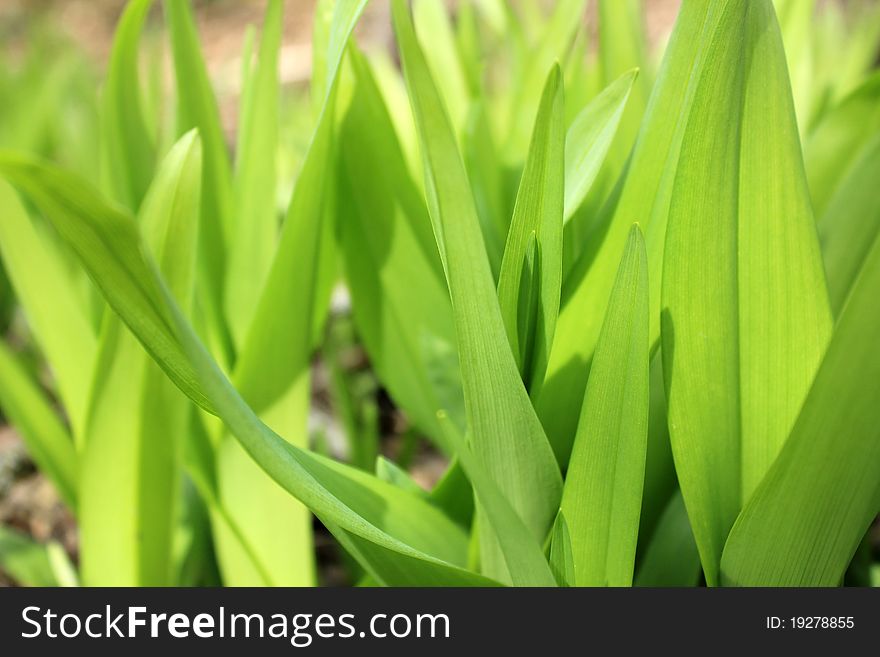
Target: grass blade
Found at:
x=838, y=141
x=522, y=553
x=561, y=553
x=130, y=465
x=507, y=435
x=34, y=564
x=47, y=441
x=851, y=224
x=400, y=301
x=197, y=108
x=128, y=147
x=537, y=220
x=49, y=299
x=589, y=138
x=602, y=497
x=255, y=219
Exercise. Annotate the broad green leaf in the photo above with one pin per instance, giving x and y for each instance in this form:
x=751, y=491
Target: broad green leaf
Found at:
x=537, y=220
x=404, y=539
x=48, y=443
x=851, y=224
x=839, y=140
x=255, y=220
x=561, y=553
x=602, y=497
x=130, y=464
x=805, y=521
x=671, y=558
x=129, y=151
x=740, y=348
x=522, y=553
x=507, y=435
x=589, y=138
x=642, y=195
x=49, y=299
x=34, y=564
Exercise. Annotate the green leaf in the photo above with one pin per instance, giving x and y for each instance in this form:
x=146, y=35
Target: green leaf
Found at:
x=49, y=299
x=537, y=220
x=522, y=553
x=34, y=564
x=602, y=497
x=486, y=174
x=278, y=342
x=127, y=145
x=507, y=435
x=671, y=558
x=25, y=405
x=851, y=224
x=255, y=219
x=660, y=479
x=404, y=540
x=109, y=243
x=197, y=108
x=392, y=473
x=642, y=195
x=434, y=30
x=555, y=40
x=400, y=302
x=838, y=141
x=796, y=20
x=589, y=139
x=621, y=48
x=272, y=371
x=130, y=465
x=561, y=553
x=805, y=521
x=741, y=347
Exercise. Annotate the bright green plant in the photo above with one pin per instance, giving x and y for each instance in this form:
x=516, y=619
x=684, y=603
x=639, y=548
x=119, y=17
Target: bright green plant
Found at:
x=632, y=309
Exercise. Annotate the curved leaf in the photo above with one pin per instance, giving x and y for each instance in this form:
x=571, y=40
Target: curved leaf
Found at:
x=507, y=435
x=808, y=516
x=406, y=540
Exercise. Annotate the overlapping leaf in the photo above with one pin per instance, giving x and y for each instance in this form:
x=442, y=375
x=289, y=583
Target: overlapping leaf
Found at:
x=808, y=516
x=506, y=433
x=741, y=347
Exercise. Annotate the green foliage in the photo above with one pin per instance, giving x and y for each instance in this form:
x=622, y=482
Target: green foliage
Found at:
x=634, y=306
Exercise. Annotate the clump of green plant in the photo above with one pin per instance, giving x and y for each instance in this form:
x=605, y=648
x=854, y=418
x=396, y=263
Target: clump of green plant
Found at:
x=634, y=305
